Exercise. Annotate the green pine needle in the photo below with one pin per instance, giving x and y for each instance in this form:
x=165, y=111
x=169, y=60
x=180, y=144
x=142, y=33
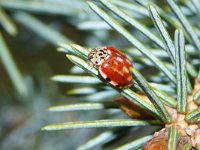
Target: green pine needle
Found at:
x=98, y=140
x=7, y=23
x=166, y=99
x=13, y=71
x=100, y=124
x=163, y=32
x=132, y=7
x=185, y=23
x=198, y=146
x=81, y=91
x=172, y=138
x=102, y=96
x=83, y=107
x=151, y=95
x=187, y=147
x=135, y=144
x=181, y=71
x=49, y=7
x=83, y=64
x=193, y=116
x=196, y=97
x=75, y=79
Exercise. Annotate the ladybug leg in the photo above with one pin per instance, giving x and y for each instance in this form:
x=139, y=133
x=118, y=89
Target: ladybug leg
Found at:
x=91, y=65
x=108, y=79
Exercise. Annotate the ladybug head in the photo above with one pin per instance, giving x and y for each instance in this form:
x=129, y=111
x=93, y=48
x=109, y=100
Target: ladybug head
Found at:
x=98, y=55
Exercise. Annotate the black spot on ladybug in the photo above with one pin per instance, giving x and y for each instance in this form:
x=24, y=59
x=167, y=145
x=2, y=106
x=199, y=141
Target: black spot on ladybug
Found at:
x=104, y=52
x=100, y=54
x=102, y=57
x=108, y=79
x=96, y=62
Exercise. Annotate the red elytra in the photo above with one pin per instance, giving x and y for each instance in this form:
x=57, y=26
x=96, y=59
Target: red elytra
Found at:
x=112, y=65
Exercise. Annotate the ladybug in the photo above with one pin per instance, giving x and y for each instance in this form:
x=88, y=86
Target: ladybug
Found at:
x=112, y=65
